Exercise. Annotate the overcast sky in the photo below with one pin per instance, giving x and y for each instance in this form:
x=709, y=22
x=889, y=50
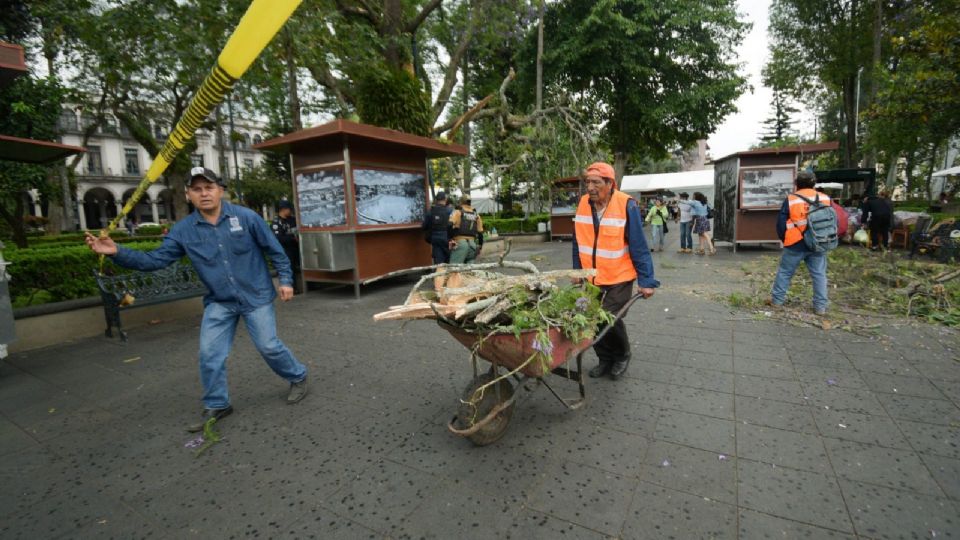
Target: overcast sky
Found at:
x=742, y=129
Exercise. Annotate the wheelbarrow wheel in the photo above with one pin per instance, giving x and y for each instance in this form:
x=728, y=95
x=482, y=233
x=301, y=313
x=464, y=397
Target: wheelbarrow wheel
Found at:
x=468, y=414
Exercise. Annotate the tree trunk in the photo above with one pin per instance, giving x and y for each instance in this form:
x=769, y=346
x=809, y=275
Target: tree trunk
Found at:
x=292, y=88
x=929, y=179
x=871, y=158
x=908, y=171
x=619, y=164
x=467, y=178
x=850, y=120
x=15, y=221
x=392, y=33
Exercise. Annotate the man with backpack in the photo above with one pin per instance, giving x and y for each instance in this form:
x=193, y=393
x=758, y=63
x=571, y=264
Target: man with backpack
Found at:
x=467, y=238
x=807, y=225
x=436, y=225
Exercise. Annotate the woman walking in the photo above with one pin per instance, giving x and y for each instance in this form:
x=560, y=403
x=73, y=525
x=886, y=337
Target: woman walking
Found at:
x=657, y=218
x=701, y=224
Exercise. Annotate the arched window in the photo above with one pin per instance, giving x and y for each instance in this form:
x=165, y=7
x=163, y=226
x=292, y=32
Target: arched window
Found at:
x=109, y=124
x=257, y=139
x=245, y=141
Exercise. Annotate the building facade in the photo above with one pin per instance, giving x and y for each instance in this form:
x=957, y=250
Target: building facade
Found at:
x=114, y=164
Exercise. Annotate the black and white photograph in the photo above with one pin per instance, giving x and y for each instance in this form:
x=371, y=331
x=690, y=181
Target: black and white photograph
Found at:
x=389, y=197
x=322, y=200
x=765, y=187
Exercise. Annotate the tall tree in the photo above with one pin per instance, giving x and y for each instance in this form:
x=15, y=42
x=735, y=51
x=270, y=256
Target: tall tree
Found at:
x=778, y=126
x=661, y=74
x=29, y=108
x=819, y=45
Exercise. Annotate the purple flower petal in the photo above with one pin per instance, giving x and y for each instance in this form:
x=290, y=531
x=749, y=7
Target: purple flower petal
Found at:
x=665, y=463
x=722, y=457
x=831, y=382
x=194, y=443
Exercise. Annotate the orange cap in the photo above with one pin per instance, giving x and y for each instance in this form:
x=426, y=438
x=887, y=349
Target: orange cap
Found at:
x=603, y=170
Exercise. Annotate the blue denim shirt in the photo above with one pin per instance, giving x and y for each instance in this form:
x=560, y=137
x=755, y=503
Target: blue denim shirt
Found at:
x=636, y=242
x=228, y=256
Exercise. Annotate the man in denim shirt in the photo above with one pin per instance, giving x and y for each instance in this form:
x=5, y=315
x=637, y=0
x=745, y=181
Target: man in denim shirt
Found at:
x=226, y=244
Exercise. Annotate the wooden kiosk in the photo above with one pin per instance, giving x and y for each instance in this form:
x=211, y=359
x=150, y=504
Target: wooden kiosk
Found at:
x=565, y=195
x=749, y=188
x=360, y=194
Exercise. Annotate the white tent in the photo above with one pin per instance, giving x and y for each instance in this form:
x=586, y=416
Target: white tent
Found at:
x=688, y=181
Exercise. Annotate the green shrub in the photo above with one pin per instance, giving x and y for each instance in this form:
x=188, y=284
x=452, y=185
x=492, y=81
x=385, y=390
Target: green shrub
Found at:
x=150, y=230
x=53, y=275
x=514, y=225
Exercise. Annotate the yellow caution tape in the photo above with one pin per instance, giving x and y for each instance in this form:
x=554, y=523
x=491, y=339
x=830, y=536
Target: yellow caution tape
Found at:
x=259, y=24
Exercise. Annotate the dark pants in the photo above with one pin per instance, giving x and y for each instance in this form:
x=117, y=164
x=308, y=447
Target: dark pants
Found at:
x=880, y=231
x=616, y=344
x=441, y=250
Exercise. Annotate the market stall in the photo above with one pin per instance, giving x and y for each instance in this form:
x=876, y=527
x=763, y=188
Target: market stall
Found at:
x=360, y=194
x=565, y=194
x=749, y=188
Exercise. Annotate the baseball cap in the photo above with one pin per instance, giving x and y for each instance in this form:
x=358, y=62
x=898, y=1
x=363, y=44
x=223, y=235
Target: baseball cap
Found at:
x=285, y=204
x=203, y=172
x=603, y=170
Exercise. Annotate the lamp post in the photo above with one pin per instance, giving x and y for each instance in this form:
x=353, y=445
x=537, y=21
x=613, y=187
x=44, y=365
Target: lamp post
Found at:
x=233, y=145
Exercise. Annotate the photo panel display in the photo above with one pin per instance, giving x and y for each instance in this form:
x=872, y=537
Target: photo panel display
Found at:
x=389, y=197
x=322, y=199
x=765, y=188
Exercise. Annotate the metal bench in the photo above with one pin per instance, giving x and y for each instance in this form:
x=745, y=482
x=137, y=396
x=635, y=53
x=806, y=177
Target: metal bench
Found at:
x=139, y=289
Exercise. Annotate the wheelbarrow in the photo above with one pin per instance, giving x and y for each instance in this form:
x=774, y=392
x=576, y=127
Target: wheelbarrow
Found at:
x=487, y=403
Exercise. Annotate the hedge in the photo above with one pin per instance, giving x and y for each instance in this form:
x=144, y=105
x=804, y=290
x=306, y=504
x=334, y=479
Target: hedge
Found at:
x=39, y=276
x=514, y=225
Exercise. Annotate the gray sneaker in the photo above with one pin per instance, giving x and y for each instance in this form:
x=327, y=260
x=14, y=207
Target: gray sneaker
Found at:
x=298, y=391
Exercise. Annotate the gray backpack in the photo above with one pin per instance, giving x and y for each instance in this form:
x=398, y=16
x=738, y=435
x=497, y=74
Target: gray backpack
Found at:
x=820, y=235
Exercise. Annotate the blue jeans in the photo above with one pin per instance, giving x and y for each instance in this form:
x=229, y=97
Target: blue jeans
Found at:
x=656, y=232
x=686, y=235
x=216, y=338
x=789, y=262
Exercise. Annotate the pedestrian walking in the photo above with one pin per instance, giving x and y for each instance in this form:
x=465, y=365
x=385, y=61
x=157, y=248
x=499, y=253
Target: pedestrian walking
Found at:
x=701, y=224
x=284, y=227
x=878, y=217
x=226, y=244
x=436, y=225
x=686, y=223
x=608, y=236
x=657, y=218
x=467, y=227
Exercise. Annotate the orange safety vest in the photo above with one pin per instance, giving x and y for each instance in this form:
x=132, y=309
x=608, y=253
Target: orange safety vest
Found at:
x=608, y=251
x=797, y=223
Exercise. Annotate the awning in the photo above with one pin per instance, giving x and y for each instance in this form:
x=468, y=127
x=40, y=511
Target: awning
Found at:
x=947, y=172
x=31, y=151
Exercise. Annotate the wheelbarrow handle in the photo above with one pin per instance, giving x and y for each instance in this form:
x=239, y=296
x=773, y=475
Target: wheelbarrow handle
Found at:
x=619, y=315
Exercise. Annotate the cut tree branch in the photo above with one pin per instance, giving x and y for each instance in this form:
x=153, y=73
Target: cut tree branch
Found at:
x=450, y=79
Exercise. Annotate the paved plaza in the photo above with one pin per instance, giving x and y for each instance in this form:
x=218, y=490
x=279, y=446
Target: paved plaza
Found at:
x=726, y=427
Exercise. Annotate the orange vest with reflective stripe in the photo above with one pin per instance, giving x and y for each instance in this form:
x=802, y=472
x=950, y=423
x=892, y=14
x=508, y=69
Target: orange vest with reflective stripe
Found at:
x=797, y=223
x=607, y=251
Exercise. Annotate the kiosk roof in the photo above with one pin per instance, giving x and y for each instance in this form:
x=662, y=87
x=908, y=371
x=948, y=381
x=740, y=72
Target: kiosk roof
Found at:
x=346, y=129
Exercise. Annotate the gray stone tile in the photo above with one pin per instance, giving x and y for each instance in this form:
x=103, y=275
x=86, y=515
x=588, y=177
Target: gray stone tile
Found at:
x=770, y=353
x=783, y=448
x=591, y=498
x=951, y=390
x=706, y=379
x=651, y=371
x=900, y=469
x=693, y=400
x=769, y=340
x=775, y=389
x=792, y=494
x=946, y=473
x=761, y=368
x=757, y=526
x=930, y=411
x=531, y=524
x=322, y=523
x=453, y=511
x=808, y=358
x=815, y=345
x=903, y=385
x=706, y=346
x=864, y=428
x=603, y=448
x=14, y=439
x=883, y=365
x=716, y=362
x=659, y=512
x=838, y=376
x=694, y=471
x=864, y=349
x=777, y=414
x=383, y=496
x=932, y=439
x=881, y=512
x=628, y=416
x=695, y=430
x=940, y=370
x=843, y=399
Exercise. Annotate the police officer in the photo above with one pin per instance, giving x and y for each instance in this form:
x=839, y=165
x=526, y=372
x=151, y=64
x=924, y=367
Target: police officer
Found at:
x=467, y=233
x=284, y=227
x=437, y=225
